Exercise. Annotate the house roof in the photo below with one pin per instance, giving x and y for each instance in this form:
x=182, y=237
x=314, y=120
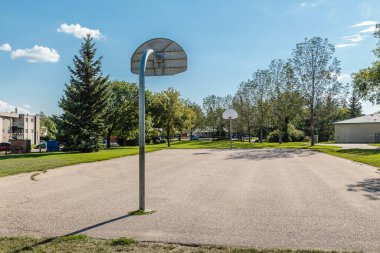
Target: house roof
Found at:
x=371, y=118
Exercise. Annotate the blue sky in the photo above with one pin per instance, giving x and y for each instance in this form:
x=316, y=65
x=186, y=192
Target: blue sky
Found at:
x=226, y=41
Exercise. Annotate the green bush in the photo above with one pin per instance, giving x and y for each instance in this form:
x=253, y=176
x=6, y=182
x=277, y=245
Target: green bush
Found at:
x=273, y=136
x=293, y=135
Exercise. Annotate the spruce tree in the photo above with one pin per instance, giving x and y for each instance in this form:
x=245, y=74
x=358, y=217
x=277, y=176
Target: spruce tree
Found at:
x=355, y=106
x=81, y=126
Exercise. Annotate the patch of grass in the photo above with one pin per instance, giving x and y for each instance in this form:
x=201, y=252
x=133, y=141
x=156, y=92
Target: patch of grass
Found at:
x=22, y=163
x=282, y=251
x=72, y=238
x=88, y=244
x=122, y=241
x=367, y=156
x=142, y=212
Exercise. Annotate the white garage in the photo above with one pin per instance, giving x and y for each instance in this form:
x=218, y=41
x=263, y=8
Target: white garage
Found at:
x=364, y=129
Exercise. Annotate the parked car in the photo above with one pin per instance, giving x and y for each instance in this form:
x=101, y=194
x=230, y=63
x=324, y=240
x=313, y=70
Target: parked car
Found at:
x=5, y=146
x=42, y=144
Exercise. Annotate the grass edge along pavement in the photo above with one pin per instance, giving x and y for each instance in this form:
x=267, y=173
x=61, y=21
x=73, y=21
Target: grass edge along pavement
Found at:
x=82, y=243
x=34, y=162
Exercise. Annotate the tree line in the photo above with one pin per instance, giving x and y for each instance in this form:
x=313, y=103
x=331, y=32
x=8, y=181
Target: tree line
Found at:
x=291, y=100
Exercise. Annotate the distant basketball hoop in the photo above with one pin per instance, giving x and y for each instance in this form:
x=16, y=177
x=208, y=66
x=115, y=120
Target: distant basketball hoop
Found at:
x=230, y=114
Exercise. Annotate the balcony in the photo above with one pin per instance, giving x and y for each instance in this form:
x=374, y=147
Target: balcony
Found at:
x=18, y=125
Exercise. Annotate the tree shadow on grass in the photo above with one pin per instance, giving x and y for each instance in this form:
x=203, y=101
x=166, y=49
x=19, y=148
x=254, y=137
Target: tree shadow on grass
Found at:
x=48, y=240
x=32, y=155
x=370, y=186
x=356, y=151
x=270, y=154
x=43, y=154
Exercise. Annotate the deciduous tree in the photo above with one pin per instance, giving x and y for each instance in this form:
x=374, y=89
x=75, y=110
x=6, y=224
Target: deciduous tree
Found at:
x=367, y=81
x=316, y=71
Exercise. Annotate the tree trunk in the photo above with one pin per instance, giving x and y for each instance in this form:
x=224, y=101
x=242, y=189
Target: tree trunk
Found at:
x=279, y=136
x=261, y=135
x=168, y=137
x=249, y=134
x=191, y=134
x=286, y=133
x=312, y=127
x=109, y=134
x=179, y=136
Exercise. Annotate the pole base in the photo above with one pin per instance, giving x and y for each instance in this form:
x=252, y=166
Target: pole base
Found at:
x=142, y=212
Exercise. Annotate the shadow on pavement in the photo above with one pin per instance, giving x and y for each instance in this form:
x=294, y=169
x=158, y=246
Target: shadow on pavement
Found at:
x=370, y=186
x=202, y=153
x=30, y=247
x=269, y=154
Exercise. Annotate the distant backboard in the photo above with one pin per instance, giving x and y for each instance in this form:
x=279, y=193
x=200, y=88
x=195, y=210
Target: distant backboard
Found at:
x=230, y=114
x=168, y=58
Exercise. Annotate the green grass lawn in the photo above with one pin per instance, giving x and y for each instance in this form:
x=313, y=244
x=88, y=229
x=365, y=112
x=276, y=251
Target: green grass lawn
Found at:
x=367, y=156
x=21, y=163
x=82, y=243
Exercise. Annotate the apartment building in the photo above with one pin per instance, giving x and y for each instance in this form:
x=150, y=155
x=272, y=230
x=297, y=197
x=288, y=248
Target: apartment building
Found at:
x=15, y=126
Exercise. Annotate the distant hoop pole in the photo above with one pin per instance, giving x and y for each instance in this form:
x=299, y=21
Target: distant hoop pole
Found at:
x=231, y=132
x=143, y=61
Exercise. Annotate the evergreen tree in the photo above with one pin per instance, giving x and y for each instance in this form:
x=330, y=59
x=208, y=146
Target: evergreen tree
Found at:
x=355, y=106
x=81, y=126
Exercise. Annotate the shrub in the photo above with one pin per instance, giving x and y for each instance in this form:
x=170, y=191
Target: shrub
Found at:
x=132, y=142
x=293, y=135
x=273, y=136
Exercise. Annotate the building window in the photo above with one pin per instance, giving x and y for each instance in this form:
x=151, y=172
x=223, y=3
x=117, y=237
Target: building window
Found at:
x=32, y=120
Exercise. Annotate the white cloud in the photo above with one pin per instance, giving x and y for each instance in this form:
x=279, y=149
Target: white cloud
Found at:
x=80, y=32
x=354, y=38
x=6, y=107
x=36, y=54
x=311, y=4
x=344, y=78
x=345, y=45
x=365, y=23
x=5, y=47
x=370, y=29
x=26, y=106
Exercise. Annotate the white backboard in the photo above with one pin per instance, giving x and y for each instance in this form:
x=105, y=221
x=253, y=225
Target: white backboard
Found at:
x=230, y=114
x=168, y=58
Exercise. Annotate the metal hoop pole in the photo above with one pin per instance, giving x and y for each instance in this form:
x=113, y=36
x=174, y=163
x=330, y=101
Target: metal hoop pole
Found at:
x=143, y=61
